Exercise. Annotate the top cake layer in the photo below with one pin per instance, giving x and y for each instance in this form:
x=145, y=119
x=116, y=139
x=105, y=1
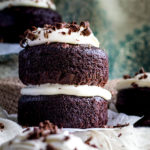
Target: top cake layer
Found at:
x=141, y=79
x=62, y=33
x=64, y=53
x=31, y=3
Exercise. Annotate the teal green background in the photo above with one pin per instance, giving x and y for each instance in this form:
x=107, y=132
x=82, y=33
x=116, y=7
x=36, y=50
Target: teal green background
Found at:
x=127, y=51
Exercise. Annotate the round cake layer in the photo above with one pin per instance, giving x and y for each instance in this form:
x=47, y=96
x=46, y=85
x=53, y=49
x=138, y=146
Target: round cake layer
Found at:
x=134, y=101
x=64, y=64
x=62, y=110
x=15, y=20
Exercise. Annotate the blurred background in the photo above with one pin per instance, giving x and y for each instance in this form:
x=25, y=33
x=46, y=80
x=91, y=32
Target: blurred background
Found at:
x=122, y=27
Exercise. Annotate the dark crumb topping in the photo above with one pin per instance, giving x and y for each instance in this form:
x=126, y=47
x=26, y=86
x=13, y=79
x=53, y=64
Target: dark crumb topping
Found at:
x=120, y=135
x=134, y=85
x=73, y=27
x=66, y=138
x=50, y=147
x=143, y=77
x=88, y=142
x=141, y=71
x=121, y=125
x=2, y=126
x=45, y=128
x=127, y=77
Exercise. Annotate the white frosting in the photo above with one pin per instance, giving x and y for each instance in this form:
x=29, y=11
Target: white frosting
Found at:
x=57, y=89
x=11, y=129
x=127, y=83
x=127, y=138
x=56, y=141
x=33, y=3
x=57, y=36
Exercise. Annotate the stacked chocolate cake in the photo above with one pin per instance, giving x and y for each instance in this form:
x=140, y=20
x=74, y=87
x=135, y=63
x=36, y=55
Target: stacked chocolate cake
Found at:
x=18, y=15
x=65, y=72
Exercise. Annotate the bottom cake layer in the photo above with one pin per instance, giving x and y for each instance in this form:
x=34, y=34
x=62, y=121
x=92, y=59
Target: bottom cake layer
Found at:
x=134, y=101
x=63, y=110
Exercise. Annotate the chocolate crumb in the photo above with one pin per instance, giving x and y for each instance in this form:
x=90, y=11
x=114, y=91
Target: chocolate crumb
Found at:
x=29, y=34
x=134, y=85
x=66, y=138
x=1, y=126
x=121, y=125
x=50, y=147
x=120, y=135
x=69, y=32
x=59, y=25
x=85, y=24
x=126, y=76
x=64, y=33
x=142, y=70
x=46, y=35
x=39, y=131
x=143, y=76
x=86, y=32
x=88, y=140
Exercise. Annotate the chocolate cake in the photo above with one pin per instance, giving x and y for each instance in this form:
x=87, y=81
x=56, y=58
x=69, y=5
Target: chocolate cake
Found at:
x=64, y=64
x=134, y=94
x=63, y=110
x=65, y=71
x=18, y=15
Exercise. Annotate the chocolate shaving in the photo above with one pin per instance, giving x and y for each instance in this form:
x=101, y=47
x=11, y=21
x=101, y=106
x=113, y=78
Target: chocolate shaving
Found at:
x=121, y=125
x=120, y=135
x=29, y=34
x=88, y=142
x=86, y=32
x=66, y=138
x=63, y=33
x=141, y=70
x=143, y=76
x=46, y=34
x=40, y=131
x=1, y=126
x=85, y=24
x=50, y=147
x=134, y=85
x=126, y=76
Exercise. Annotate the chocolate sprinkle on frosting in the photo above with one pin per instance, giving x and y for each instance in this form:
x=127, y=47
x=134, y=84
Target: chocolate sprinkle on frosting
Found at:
x=40, y=131
x=134, y=85
x=1, y=126
x=127, y=77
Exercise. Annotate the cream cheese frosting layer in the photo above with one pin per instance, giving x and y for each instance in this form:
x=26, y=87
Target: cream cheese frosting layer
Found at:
x=140, y=80
x=31, y=3
x=58, y=89
x=61, y=141
x=62, y=33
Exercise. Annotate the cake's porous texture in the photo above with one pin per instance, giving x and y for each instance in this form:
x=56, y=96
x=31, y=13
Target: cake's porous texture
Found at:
x=64, y=64
x=15, y=20
x=134, y=101
x=64, y=111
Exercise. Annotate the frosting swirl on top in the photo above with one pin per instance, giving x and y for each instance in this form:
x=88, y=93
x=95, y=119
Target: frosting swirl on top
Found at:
x=139, y=80
x=70, y=33
x=32, y=3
